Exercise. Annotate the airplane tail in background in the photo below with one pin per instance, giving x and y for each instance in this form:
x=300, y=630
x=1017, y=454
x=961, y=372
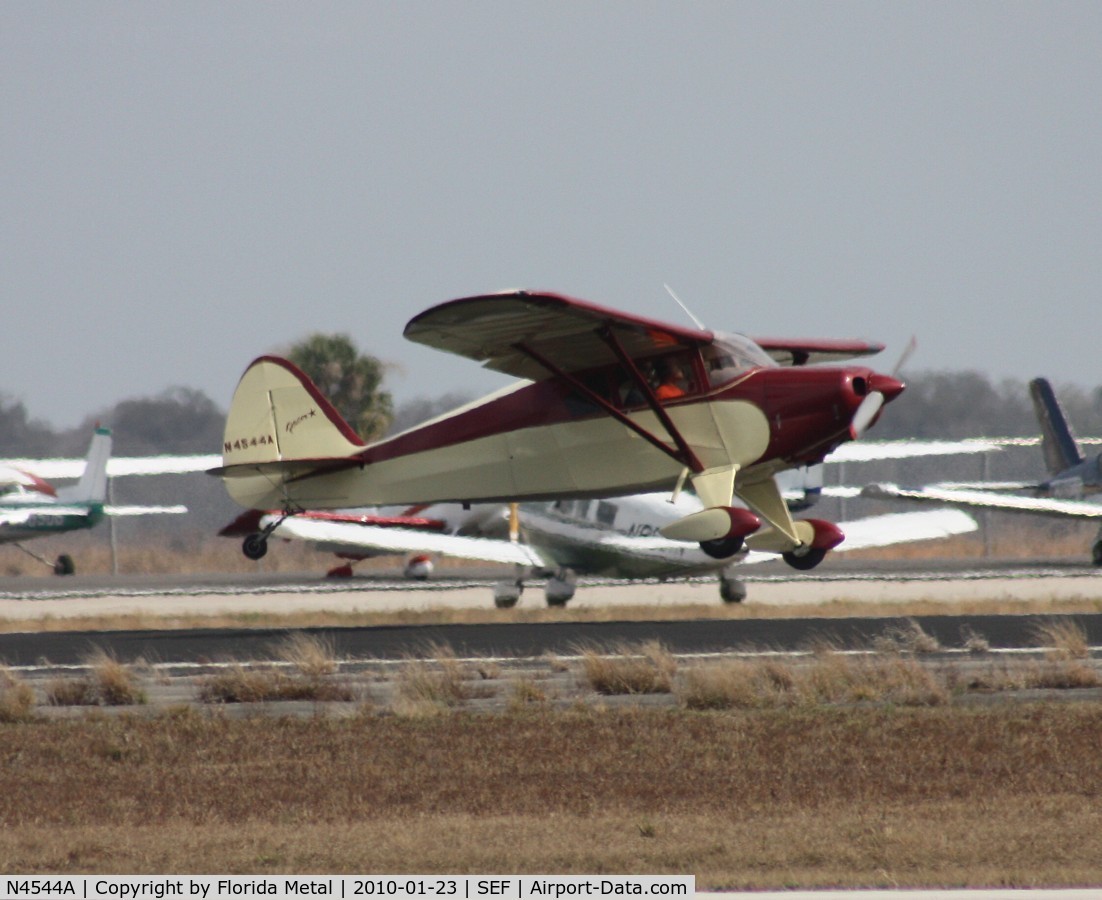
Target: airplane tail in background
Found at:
x=92, y=486
x=1057, y=442
x=278, y=416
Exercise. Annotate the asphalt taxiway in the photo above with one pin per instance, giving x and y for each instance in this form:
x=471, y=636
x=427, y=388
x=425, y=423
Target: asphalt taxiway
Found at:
x=38, y=601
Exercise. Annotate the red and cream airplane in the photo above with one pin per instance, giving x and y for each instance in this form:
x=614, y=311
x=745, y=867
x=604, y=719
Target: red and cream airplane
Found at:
x=610, y=404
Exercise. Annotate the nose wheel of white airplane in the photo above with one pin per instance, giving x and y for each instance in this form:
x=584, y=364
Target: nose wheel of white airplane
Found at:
x=731, y=589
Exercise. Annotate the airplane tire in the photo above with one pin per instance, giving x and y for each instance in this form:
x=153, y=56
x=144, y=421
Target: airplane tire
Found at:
x=64, y=565
x=1096, y=553
x=721, y=548
x=254, y=546
x=805, y=562
x=732, y=590
x=506, y=594
x=559, y=591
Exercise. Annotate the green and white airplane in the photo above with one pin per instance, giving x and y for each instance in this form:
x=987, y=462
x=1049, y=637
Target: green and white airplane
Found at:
x=32, y=507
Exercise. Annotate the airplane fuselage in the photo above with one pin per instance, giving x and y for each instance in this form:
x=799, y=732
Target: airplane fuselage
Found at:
x=19, y=525
x=546, y=440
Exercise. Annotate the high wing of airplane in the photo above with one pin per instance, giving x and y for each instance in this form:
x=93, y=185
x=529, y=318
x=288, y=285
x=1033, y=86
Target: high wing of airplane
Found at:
x=30, y=506
x=612, y=404
x=1072, y=477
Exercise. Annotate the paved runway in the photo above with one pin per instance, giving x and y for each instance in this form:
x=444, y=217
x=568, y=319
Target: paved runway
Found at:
x=948, y=582
x=948, y=585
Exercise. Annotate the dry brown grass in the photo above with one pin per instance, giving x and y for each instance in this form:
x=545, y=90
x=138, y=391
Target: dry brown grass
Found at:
x=16, y=697
x=433, y=683
x=646, y=669
x=1004, y=795
x=1062, y=639
x=106, y=682
x=826, y=678
x=312, y=656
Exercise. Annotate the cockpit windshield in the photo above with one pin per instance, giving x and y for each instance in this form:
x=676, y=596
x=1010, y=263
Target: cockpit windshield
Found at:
x=730, y=355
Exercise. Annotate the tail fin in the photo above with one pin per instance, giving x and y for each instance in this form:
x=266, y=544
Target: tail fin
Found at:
x=92, y=486
x=1057, y=442
x=278, y=415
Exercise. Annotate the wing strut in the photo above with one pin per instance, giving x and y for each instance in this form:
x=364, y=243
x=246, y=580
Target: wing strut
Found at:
x=681, y=453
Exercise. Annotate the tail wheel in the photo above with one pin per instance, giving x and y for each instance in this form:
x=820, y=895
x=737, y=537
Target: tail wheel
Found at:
x=64, y=565
x=254, y=546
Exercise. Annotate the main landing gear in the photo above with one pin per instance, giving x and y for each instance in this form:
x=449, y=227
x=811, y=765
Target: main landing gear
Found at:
x=63, y=565
x=559, y=590
x=808, y=559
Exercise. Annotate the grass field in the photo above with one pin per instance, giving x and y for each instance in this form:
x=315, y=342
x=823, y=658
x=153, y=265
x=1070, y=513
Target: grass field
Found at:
x=828, y=771
x=1001, y=795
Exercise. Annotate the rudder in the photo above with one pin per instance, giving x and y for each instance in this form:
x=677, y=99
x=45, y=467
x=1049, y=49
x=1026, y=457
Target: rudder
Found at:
x=92, y=486
x=1057, y=441
x=278, y=415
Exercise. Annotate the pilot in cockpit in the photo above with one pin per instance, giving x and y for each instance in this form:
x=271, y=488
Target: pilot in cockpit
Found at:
x=670, y=379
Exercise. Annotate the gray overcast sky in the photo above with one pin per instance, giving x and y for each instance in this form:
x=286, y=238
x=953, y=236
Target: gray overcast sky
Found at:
x=187, y=185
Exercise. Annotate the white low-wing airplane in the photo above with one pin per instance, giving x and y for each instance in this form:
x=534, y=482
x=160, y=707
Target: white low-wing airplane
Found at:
x=1072, y=477
x=615, y=537
x=30, y=506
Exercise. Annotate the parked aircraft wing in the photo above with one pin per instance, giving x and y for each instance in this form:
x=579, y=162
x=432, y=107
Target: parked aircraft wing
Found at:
x=868, y=451
x=861, y=534
x=488, y=328
x=381, y=539
x=21, y=515
x=1046, y=506
x=177, y=509
x=118, y=466
x=895, y=528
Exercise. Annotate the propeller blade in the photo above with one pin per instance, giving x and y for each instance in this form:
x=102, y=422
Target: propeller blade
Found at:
x=880, y=388
x=912, y=345
x=866, y=412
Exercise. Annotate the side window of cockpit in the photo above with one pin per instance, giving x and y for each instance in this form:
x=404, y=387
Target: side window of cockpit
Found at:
x=606, y=513
x=724, y=363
